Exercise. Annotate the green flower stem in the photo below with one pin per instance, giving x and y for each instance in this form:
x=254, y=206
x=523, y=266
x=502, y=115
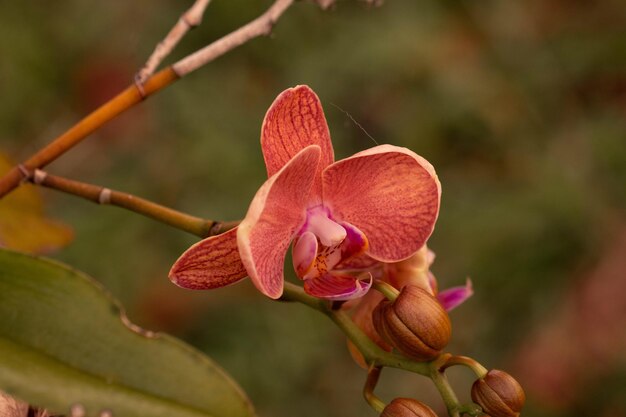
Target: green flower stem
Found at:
x=292, y=292
x=445, y=390
x=372, y=353
x=377, y=357
x=472, y=409
x=476, y=367
x=368, y=390
x=388, y=290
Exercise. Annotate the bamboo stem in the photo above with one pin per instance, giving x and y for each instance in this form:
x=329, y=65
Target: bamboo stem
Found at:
x=101, y=195
x=187, y=21
x=138, y=92
x=123, y=101
x=262, y=25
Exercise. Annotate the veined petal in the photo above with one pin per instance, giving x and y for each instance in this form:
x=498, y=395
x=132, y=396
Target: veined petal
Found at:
x=337, y=287
x=294, y=121
x=388, y=192
x=412, y=271
x=211, y=263
x=455, y=296
x=432, y=282
x=277, y=211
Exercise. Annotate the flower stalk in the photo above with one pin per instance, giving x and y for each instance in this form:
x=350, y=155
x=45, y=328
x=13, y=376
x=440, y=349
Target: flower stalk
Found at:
x=476, y=367
x=445, y=390
x=373, y=374
x=372, y=353
x=378, y=358
x=386, y=289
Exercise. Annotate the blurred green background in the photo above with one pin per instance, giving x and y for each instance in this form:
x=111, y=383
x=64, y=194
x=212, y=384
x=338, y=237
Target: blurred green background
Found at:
x=520, y=106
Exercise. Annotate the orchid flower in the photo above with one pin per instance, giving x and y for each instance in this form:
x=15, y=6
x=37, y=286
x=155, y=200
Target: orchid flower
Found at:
x=382, y=202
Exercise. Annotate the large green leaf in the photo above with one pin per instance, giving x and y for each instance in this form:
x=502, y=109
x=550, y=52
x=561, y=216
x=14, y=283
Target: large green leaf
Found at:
x=65, y=341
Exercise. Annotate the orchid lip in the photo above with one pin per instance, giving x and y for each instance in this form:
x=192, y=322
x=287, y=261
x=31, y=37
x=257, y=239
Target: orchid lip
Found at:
x=321, y=245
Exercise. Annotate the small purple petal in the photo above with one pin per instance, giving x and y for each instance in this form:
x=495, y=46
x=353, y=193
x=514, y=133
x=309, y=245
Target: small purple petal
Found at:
x=455, y=296
x=337, y=287
x=354, y=244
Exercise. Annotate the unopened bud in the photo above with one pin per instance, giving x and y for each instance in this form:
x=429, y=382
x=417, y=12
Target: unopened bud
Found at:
x=407, y=407
x=499, y=394
x=415, y=323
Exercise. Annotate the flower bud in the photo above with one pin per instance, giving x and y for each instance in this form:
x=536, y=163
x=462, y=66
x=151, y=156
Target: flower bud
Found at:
x=415, y=323
x=499, y=394
x=407, y=407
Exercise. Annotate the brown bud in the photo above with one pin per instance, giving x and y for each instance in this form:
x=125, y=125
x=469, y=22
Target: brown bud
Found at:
x=407, y=407
x=415, y=323
x=499, y=394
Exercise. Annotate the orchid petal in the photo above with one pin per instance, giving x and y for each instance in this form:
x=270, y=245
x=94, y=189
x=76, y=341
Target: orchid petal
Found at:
x=211, y=263
x=277, y=211
x=294, y=121
x=430, y=257
x=455, y=296
x=412, y=271
x=432, y=283
x=337, y=287
x=390, y=193
x=304, y=253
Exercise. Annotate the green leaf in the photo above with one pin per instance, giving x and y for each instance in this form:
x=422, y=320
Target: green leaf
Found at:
x=65, y=341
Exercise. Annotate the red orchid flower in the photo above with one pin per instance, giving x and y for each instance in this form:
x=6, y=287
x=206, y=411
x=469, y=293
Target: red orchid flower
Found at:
x=382, y=202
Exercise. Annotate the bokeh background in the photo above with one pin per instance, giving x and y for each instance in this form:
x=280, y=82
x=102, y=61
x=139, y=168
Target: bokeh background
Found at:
x=520, y=106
